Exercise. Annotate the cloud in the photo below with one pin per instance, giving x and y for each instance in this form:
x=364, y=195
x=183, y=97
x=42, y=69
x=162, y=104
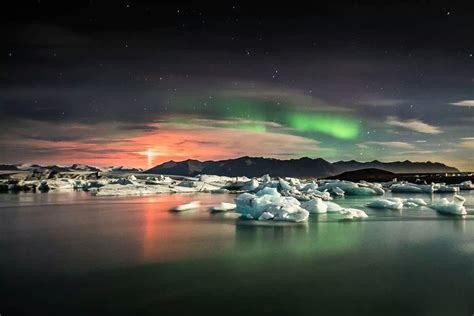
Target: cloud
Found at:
x=463, y=103
x=383, y=102
x=466, y=142
x=399, y=145
x=414, y=125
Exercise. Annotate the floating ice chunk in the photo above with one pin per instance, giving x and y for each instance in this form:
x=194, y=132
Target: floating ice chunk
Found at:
x=291, y=213
x=386, y=203
x=223, y=207
x=360, y=191
x=353, y=213
x=268, y=191
x=130, y=189
x=158, y=180
x=212, y=178
x=466, y=185
x=282, y=208
x=250, y=204
x=187, y=206
x=351, y=188
x=316, y=206
x=454, y=207
x=413, y=188
x=447, y=189
x=417, y=201
x=409, y=204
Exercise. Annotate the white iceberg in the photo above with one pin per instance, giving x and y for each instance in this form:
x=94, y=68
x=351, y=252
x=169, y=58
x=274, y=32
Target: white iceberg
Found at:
x=187, y=206
x=417, y=201
x=412, y=188
x=281, y=208
x=353, y=213
x=392, y=204
x=454, y=207
x=223, y=207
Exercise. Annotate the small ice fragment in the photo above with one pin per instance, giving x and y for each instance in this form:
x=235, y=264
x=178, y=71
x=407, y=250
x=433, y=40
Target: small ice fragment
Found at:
x=187, y=206
x=389, y=204
x=223, y=207
x=417, y=201
x=353, y=213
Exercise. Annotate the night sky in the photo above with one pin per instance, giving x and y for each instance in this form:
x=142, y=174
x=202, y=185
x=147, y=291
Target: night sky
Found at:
x=136, y=84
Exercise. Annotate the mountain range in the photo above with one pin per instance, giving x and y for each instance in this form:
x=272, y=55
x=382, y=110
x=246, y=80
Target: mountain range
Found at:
x=302, y=167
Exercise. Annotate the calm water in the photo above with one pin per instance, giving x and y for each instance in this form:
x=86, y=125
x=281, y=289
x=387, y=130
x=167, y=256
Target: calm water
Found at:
x=75, y=254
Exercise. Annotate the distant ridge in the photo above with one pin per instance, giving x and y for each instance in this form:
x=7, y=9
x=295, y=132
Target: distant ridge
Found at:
x=302, y=167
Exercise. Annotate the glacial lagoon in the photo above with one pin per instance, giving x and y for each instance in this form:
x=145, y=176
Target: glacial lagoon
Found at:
x=72, y=253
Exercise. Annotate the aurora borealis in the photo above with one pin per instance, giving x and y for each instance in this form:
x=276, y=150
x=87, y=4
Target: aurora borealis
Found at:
x=137, y=83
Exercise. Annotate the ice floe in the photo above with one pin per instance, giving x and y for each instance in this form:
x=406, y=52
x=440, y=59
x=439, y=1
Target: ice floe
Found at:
x=187, y=206
x=454, y=207
x=392, y=204
x=223, y=207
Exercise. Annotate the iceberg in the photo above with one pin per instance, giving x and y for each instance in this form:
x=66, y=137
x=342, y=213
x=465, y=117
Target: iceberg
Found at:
x=353, y=213
x=187, y=206
x=416, y=201
x=454, y=207
x=466, y=185
x=392, y=204
x=412, y=188
x=281, y=208
x=447, y=189
x=223, y=207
